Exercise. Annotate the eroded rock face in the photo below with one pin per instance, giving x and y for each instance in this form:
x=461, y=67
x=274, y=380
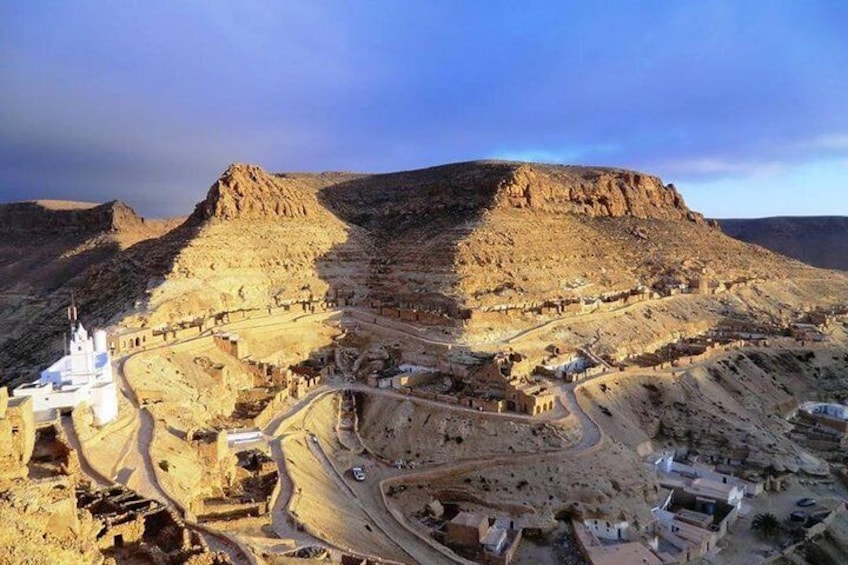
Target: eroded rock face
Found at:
x=248, y=192
x=592, y=191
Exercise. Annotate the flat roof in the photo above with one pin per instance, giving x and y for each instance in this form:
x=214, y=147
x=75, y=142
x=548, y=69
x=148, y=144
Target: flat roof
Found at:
x=708, y=484
x=469, y=519
x=620, y=553
x=123, y=331
x=695, y=518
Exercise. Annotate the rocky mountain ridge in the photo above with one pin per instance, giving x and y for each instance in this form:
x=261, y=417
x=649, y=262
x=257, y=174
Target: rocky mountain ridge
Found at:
x=483, y=237
x=821, y=241
x=247, y=192
x=46, y=217
x=49, y=249
x=477, y=185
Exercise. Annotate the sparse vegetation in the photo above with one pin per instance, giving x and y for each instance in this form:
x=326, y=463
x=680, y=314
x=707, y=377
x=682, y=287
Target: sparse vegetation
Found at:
x=766, y=524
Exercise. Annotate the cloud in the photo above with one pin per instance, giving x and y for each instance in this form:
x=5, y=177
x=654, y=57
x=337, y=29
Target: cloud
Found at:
x=114, y=101
x=721, y=167
x=811, y=187
x=833, y=141
x=563, y=155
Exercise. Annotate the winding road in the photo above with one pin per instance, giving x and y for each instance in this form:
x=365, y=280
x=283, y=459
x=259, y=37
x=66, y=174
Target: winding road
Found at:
x=368, y=495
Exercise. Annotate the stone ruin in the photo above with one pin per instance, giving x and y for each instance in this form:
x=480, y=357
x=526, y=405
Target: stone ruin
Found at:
x=17, y=436
x=248, y=492
x=136, y=527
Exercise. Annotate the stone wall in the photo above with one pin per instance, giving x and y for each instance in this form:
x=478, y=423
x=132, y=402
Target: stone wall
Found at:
x=227, y=509
x=272, y=409
x=17, y=435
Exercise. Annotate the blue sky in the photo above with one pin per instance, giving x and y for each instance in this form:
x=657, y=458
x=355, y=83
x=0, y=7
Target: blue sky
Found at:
x=742, y=105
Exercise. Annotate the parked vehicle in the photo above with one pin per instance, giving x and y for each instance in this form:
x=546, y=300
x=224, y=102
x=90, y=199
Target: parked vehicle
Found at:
x=358, y=474
x=799, y=516
x=805, y=502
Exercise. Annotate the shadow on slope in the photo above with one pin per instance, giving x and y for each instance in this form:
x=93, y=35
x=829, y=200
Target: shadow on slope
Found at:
x=415, y=221
x=105, y=282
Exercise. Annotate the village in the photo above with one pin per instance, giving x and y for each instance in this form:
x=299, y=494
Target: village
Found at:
x=696, y=508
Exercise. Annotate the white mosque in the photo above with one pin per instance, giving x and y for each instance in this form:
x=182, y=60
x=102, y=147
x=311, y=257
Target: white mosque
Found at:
x=84, y=374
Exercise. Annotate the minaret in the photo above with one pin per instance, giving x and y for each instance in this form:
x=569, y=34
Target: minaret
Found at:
x=72, y=314
x=80, y=345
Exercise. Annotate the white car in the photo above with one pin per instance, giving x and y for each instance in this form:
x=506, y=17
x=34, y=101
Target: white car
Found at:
x=358, y=474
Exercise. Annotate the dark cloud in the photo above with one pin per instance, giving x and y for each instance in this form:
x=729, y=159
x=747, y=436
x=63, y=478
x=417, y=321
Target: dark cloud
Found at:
x=149, y=102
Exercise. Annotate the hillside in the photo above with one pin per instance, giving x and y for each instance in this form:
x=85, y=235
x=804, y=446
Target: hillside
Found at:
x=820, y=241
x=486, y=248
x=46, y=246
x=45, y=243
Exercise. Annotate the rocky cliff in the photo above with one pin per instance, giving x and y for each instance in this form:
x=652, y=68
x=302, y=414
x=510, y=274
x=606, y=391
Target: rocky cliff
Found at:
x=595, y=192
x=246, y=192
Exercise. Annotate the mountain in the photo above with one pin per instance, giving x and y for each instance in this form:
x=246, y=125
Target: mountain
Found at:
x=485, y=248
x=45, y=247
x=821, y=241
x=45, y=243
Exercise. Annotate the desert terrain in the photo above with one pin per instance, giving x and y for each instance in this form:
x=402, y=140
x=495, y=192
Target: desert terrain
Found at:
x=337, y=367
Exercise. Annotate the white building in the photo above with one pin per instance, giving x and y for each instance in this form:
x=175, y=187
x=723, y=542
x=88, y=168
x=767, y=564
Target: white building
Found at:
x=84, y=374
x=829, y=409
x=730, y=493
x=676, y=474
x=606, y=528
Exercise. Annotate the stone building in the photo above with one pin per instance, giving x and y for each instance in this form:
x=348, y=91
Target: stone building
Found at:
x=826, y=415
x=231, y=344
x=135, y=528
x=504, y=378
x=474, y=536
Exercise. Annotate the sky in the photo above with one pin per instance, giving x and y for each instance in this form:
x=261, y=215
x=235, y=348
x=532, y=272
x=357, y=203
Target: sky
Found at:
x=742, y=105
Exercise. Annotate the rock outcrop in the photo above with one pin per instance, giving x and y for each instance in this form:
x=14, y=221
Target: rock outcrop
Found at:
x=248, y=192
x=595, y=192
